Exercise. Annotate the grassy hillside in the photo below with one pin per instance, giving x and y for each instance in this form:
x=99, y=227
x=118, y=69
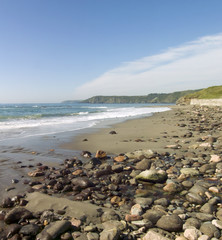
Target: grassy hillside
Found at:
x=214, y=92
x=150, y=98
x=207, y=93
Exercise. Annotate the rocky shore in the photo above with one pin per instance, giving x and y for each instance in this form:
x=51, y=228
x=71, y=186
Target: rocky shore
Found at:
x=172, y=191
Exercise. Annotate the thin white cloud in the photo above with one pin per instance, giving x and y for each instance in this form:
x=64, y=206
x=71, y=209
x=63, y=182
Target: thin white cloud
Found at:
x=193, y=65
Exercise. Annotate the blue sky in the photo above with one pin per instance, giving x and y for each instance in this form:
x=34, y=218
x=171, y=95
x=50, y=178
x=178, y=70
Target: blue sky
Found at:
x=53, y=50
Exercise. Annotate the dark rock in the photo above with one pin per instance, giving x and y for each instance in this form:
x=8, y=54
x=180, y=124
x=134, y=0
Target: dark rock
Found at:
x=17, y=214
x=52, y=182
x=162, y=201
x=61, y=212
x=23, y=202
x=86, y=154
x=117, y=168
x=9, y=189
x=143, y=164
x=153, y=215
x=95, y=161
x=58, y=186
x=12, y=229
x=29, y=230
x=188, y=135
x=67, y=188
x=15, y=180
x=7, y=202
x=112, y=132
x=3, y=236
x=103, y=172
x=16, y=237
x=82, y=182
x=171, y=223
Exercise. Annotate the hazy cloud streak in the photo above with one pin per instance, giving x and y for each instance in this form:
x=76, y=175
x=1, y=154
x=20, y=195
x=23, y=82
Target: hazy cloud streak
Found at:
x=192, y=65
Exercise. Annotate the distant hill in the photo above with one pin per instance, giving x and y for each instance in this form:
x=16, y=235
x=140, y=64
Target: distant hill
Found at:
x=71, y=101
x=150, y=98
x=214, y=92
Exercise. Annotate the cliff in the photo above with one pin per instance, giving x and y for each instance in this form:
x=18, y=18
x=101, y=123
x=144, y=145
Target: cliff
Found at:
x=150, y=98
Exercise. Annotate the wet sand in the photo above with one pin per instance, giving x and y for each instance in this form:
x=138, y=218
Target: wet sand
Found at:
x=154, y=132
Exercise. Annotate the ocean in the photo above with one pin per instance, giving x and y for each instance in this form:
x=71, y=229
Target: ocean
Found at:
x=19, y=121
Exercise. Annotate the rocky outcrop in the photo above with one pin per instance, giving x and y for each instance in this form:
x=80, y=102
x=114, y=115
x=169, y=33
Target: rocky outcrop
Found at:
x=206, y=102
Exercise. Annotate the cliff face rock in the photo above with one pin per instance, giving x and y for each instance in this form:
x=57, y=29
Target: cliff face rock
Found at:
x=183, y=101
x=206, y=102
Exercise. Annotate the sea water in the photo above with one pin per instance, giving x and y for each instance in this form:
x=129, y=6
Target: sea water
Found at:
x=25, y=120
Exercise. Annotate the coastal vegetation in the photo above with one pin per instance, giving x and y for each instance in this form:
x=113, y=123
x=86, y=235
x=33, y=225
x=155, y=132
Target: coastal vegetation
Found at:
x=150, y=98
x=214, y=92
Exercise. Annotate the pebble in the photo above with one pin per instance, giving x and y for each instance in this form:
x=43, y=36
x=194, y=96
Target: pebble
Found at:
x=136, y=210
x=171, y=223
x=192, y=234
x=154, y=176
x=189, y=171
x=210, y=230
x=54, y=229
x=17, y=214
x=151, y=235
x=217, y=223
x=204, y=216
x=195, y=198
x=92, y=236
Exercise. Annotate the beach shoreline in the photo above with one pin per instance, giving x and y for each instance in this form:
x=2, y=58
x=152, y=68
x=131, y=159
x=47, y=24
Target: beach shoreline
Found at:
x=20, y=155
x=141, y=133
x=161, y=176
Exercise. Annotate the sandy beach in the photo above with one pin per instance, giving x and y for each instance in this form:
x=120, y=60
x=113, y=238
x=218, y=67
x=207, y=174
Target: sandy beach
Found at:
x=160, y=179
x=154, y=132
